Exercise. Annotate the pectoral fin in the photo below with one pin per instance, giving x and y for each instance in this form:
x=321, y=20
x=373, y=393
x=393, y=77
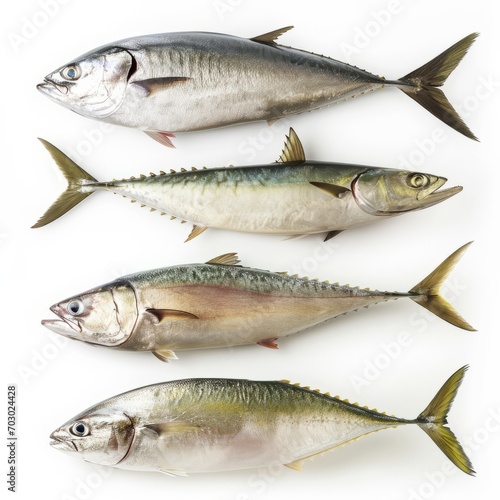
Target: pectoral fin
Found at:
x=334, y=190
x=170, y=315
x=164, y=428
x=149, y=87
x=165, y=355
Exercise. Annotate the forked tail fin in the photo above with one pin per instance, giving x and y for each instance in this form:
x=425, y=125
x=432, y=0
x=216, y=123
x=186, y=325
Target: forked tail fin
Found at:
x=73, y=194
x=421, y=85
x=428, y=291
x=433, y=419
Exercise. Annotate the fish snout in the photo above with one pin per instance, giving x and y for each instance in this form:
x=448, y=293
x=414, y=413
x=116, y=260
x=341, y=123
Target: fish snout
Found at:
x=52, y=89
x=60, y=440
x=62, y=326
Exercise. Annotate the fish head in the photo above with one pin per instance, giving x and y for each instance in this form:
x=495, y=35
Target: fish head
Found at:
x=93, y=85
x=101, y=437
x=103, y=316
x=391, y=191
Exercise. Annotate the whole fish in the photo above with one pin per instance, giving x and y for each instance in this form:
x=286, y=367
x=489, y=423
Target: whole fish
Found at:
x=292, y=196
x=208, y=425
x=177, y=82
x=221, y=304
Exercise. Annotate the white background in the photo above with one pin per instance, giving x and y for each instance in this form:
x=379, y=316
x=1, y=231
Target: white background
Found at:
x=106, y=236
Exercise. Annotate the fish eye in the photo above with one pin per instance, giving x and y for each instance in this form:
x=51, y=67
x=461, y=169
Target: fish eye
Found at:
x=75, y=307
x=71, y=72
x=418, y=180
x=79, y=429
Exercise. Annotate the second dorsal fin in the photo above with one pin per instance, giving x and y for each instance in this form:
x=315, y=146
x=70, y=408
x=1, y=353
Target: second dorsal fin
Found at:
x=293, y=150
x=271, y=37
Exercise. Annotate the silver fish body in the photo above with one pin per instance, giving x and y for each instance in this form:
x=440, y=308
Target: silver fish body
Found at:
x=221, y=304
x=176, y=82
x=207, y=425
x=292, y=196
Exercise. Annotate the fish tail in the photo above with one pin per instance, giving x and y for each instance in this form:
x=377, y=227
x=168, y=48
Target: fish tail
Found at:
x=73, y=194
x=433, y=422
x=421, y=85
x=428, y=291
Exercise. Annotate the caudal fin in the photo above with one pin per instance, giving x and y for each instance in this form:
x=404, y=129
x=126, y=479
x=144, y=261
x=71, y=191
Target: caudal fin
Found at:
x=433, y=419
x=421, y=85
x=428, y=291
x=73, y=195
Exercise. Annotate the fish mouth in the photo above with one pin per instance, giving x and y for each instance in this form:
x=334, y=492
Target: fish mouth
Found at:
x=52, y=89
x=432, y=196
x=61, y=444
x=63, y=326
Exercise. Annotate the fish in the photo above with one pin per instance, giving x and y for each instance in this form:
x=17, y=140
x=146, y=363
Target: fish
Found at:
x=222, y=304
x=211, y=425
x=178, y=82
x=289, y=197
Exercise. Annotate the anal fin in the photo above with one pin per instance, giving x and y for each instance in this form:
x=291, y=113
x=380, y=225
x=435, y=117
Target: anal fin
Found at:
x=197, y=230
x=332, y=234
x=173, y=472
x=296, y=465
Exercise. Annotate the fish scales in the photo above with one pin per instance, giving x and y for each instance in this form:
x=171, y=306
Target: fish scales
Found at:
x=281, y=200
x=221, y=304
x=179, y=82
x=241, y=424
x=207, y=425
x=291, y=197
x=240, y=75
x=252, y=280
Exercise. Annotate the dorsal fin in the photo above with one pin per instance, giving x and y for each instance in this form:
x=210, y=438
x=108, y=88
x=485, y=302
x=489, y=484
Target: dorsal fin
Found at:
x=227, y=259
x=269, y=38
x=293, y=150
